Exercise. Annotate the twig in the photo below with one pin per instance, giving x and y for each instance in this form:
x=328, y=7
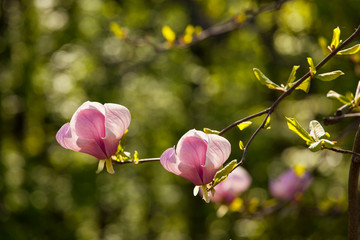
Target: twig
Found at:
x=337, y=118
x=289, y=91
x=344, y=151
x=145, y=160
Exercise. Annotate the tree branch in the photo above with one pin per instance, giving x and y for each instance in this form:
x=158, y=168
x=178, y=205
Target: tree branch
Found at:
x=145, y=160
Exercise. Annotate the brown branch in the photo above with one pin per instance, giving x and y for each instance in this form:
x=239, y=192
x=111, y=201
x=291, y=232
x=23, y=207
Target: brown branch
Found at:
x=145, y=160
x=343, y=151
x=353, y=198
x=290, y=90
x=335, y=119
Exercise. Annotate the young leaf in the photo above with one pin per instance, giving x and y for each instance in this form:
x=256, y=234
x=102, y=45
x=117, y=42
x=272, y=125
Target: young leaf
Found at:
x=327, y=143
x=350, y=51
x=312, y=66
x=357, y=95
x=335, y=39
x=329, y=76
x=315, y=146
x=267, y=123
x=241, y=145
x=223, y=173
x=210, y=131
x=168, y=34
x=292, y=76
x=316, y=130
x=323, y=45
x=305, y=85
x=266, y=81
x=341, y=98
x=117, y=30
x=298, y=129
x=244, y=125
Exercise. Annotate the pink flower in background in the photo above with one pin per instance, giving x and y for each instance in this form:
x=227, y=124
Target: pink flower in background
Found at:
x=95, y=129
x=237, y=182
x=198, y=156
x=290, y=185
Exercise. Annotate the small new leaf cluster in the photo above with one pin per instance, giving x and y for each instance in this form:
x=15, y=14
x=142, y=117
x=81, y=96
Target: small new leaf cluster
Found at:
x=317, y=139
x=349, y=99
x=335, y=42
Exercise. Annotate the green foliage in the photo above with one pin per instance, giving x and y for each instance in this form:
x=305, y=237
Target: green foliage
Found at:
x=266, y=81
x=223, y=173
x=329, y=76
x=244, y=125
x=317, y=139
x=335, y=39
x=210, y=131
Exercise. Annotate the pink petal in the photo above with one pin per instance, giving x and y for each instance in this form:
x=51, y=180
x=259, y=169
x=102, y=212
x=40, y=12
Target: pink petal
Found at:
x=69, y=140
x=117, y=120
x=90, y=124
x=172, y=163
x=191, y=149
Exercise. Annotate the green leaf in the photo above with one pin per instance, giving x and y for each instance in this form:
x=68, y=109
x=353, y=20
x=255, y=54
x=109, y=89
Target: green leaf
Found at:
x=223, y=173
x=241, y=145
x=316, y=130
x=136, y=157
x=210, y=131
x=357, y=95
x=335, y=39
x=266, y=81
x=117, y=30
x=292, y=76
x=323, y=45
x=312, y=66
x=298, y=129
x=244, y=125
x=267, y=123
x=329, y=76
x=341, y=98
x=349, y=51
x=168, y=34
x=305, y=85
x=315, y=146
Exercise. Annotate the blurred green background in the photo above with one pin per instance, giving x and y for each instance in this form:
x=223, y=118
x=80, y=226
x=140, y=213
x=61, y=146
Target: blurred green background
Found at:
x=57, y=54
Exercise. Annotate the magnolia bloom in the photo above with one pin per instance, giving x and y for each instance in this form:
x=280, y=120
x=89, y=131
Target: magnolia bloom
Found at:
x=198, y=156
x=236, y=183
x=290, y=185
x=95, y=129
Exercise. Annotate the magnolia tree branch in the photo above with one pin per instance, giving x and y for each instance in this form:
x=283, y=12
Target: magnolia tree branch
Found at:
x=343, y=151
x=335, y=119
x=145, y=160
x=287, y=93
x=353, y=198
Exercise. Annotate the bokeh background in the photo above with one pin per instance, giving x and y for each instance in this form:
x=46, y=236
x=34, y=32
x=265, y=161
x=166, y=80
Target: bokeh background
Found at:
x=57, y=54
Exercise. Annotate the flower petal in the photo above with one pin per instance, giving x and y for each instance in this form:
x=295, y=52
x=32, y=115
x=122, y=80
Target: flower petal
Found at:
x=90, y=124
x=69, y=140
x=172, y=163
x=117, y=120
x=191, y=149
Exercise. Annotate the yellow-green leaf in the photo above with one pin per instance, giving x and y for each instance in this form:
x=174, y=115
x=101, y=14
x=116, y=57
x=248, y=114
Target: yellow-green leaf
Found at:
x=312, y=66
x=298, y=129
x=117, y=30
x=323, y=45
x=267, y=123
x=210, y=131
x=350, y=51
x=305, y=85
x=316, y=130
x=223, y=173
x=335, y=39
x=329, y=76
x=168, y=34
x=266, y=81
x=241, y=145
x=244, y=125
x=341, y=98
x=292, y=76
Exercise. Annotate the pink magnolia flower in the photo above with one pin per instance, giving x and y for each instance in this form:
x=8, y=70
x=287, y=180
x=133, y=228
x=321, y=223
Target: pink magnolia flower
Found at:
x=197, y=157
x=95, y=129
x=290, y=185
x=237, y=182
